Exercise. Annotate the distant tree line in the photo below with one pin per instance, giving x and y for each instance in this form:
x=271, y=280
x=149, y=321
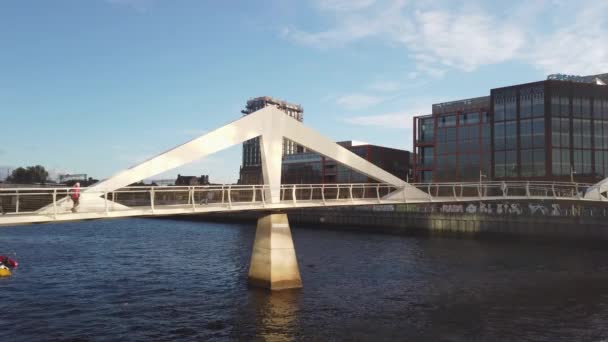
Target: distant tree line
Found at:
x=38, y=175
x=29, y=175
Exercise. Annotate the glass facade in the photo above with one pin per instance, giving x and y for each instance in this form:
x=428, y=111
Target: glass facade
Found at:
x=579, y=127
x=458, y=149
x=549, y=130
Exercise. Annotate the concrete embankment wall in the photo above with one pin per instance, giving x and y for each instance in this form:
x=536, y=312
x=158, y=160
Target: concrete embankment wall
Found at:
x=517, y=220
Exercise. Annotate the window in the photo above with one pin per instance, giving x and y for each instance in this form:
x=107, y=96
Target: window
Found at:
x=511, y=108
x=586, y=107
x=582, y=162
x=555, y=106
x=499, y=108
x=499, y=136
x=426, y=157
x=538, y=103
x=560, y=132
x=447, y=121
x=485, y=117
x=426, y=130
x=565, y=106
x=561, y=162
x=511, y=135
x=538, y=133
x=499, y=162
x=525, y=103
x=469, y=118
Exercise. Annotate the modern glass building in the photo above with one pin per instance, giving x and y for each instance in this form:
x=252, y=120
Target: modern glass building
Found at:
x=555, y=129
x=312, y=168
x=453, y=144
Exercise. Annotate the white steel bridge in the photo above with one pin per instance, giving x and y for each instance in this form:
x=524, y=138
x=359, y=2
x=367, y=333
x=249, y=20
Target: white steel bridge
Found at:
x=273, y=261
x=38, y=205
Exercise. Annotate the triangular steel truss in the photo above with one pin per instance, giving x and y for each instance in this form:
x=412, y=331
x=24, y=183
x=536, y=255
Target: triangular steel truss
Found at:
x=271, y=125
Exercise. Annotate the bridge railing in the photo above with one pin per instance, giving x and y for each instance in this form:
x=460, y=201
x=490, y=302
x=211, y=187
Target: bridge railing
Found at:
x=57, y=200
x=511, y=189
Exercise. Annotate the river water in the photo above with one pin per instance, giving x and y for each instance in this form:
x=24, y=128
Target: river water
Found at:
x=146, y=279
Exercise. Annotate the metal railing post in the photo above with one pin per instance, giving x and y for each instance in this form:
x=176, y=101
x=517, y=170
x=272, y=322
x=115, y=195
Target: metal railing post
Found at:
x=253, y=197
x=222, y=195
x=528, y=189
x=229, y=196
x=17, y=202
x=105, y=197
x=323, y=193
x=553, y=189
x=55, y=204
x=338, y=192
x=311, y=191
x=378, y=192
x=151, y=199
x=263, y=196
x=429, y=192
x=193, y=201
x=293, y=194
x=350, y=192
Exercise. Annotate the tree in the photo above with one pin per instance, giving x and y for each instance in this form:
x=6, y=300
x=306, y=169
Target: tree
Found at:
x=29, y=175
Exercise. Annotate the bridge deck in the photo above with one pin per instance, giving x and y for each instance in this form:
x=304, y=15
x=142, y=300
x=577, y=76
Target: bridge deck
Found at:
x=24, y=206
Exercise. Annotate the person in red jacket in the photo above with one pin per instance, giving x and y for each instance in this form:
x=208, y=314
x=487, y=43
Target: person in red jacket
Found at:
x=75, y=196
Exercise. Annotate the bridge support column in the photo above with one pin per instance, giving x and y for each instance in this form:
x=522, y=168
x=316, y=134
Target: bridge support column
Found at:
x=273, y=260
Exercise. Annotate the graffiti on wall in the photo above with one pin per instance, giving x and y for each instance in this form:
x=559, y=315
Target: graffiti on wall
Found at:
x=496, y=208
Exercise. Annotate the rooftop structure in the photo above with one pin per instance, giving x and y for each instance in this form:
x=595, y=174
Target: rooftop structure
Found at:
x=251, y=171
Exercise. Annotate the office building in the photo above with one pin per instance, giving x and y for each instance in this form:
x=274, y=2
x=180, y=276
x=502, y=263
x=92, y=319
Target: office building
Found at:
x=312, y=168
x=251, y=169
x=556, y=129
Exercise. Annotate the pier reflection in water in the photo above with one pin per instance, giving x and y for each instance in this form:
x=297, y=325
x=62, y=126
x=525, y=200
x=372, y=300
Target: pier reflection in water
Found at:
x=144, y=279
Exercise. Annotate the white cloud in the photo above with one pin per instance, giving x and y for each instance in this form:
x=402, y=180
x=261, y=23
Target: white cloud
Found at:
x=440, y=36
x=344, y=5
x=578, y=47
x=385, y=86
x=394, y=120
x=358, y=101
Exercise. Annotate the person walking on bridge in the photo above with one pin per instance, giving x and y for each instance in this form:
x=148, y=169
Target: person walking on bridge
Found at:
x=75, y=196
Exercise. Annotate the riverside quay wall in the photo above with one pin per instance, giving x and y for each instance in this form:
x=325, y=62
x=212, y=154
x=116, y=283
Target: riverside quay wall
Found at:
x=547, y=219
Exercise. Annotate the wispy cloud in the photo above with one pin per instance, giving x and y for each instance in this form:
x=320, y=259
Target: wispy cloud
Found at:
x=443, y=36
x=392, y=120
x=385, y=86
x=358, y=101
x=344, y=5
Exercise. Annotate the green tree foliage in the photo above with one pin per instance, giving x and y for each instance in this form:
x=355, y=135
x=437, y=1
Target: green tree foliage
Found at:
x=29, y=175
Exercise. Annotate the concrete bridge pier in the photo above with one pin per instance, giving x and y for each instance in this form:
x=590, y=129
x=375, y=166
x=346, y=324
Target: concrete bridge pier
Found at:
x=273, y=260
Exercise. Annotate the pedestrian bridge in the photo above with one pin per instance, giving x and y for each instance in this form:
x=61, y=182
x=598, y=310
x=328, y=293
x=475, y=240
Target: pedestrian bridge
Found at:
x=39, y=205
x=273, y=261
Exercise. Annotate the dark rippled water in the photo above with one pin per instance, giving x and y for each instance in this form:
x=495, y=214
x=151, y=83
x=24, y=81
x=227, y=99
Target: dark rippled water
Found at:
x=144, y=279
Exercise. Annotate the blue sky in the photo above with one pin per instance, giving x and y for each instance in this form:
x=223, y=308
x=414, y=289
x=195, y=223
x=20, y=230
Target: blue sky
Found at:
x=95, y=86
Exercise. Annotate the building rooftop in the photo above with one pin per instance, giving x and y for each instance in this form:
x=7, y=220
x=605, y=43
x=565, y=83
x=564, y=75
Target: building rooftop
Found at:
x=599, y=79
x=275, y=101
x=462, y=105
